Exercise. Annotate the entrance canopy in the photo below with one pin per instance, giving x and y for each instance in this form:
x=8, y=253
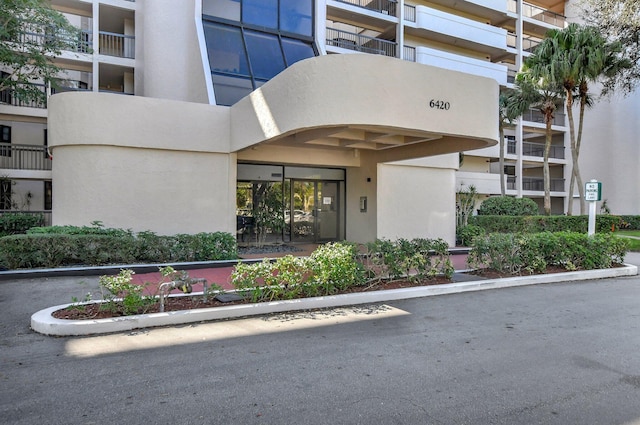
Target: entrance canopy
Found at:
x=395, y=108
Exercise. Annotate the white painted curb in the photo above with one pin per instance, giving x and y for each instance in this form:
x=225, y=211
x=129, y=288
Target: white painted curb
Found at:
x=43, y=322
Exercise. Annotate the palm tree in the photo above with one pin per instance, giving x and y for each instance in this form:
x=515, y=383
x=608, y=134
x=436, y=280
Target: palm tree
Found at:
x=533, y=91
x=573, y=57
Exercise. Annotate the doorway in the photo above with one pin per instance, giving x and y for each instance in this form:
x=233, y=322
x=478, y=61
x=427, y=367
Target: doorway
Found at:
x=314, y=214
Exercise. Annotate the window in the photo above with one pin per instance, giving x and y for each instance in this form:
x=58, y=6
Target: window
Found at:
x=251, y=41
x=265, y=54
x=296, y=17
x=5, y=95
x=48, y=195
x=260, y=12
x=5, y=194
x=5, y=137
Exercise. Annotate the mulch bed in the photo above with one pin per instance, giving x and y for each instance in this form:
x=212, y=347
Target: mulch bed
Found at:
x=93, y=311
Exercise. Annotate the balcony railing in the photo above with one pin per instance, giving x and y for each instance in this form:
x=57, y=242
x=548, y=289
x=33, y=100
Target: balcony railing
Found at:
x=119, y=45
x=24, y=157
x=536, y=149
x=409, y=53
x=80, y=44
x=45, y=214
x=110, y=44
x=534, y=115
x=528, y=44
x=543, y=15
x=360, y=43
x=386, y=7
x=8, y=97
x=409, y=13
x=537, y=184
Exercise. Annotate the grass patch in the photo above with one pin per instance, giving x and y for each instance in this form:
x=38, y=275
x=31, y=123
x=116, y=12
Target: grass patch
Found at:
x=634, y=244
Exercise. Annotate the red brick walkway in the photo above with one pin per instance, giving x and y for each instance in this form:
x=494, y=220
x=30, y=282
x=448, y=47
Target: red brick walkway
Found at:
x=221, y=275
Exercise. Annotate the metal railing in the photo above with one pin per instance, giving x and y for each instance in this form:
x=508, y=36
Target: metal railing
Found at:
x=543, y=15
x=46, y=215
x=409, y=13
x=528, y=43
x=538, y=13
x=534, y=115
x=409, y=53
x=80, y=44
x=511, y=76
x=511, y=182
x=536, y=149
x=119, y=45
x=9, y=97
x=24, y=157
x=537, y=184
x=386, y=7
x=110, y=44
x=360, y=43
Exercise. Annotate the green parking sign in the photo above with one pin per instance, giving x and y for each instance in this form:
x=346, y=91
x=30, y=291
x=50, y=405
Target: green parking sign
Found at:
x=593, y=191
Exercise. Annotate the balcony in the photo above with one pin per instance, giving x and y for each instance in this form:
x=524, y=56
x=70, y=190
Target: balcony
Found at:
x=409, y=53
x=449, y=28
x=534, y=115
x=455, y=62
x=118, y=45
x=386, y=7
x=110, y=44
x=78, y=44
x=536, y=149
x=360, y=43
x=8, y=97
x=536, y=184
x=538, y=13
x=24, y=157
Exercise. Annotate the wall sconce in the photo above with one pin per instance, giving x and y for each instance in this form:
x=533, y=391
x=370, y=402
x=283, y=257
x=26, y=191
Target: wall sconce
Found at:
x=363, y=204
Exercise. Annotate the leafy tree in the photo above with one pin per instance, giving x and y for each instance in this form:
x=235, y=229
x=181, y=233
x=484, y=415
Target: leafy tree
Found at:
x=31, y=35
x=572, y=58
x=618, y=20
x=537, y=91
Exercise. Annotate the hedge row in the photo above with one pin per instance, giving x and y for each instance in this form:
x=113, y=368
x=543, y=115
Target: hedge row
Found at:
x=533, y=252
x=16, y=223
x=553, y=223
x=62, y=249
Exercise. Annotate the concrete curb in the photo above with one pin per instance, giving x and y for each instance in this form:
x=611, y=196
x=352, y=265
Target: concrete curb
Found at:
x=44, y=323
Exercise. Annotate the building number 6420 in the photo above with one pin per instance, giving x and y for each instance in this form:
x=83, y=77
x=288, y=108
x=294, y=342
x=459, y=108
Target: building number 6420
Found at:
x=439, y=104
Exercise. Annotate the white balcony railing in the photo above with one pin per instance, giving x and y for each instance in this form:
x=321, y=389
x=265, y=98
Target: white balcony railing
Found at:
x=24, y=157
x=360, y=43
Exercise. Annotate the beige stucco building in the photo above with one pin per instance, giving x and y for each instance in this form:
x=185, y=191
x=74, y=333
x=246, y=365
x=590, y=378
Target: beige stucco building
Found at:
x=172, y=166
x=351, y=112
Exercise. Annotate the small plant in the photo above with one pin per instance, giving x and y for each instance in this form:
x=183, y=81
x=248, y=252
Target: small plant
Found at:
x=125, y=297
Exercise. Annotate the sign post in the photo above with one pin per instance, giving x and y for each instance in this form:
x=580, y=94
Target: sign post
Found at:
x=592, y=194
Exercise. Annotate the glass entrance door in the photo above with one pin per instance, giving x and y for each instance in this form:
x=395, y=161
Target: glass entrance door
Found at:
x=314, y=215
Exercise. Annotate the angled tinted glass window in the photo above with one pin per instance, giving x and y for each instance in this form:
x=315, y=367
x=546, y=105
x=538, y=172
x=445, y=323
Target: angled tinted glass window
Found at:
x=260, y=12
x=295, y=16
x=229, y=90
x=225, y=49
x=264, y=53
x=227, y=9
x=296, y=50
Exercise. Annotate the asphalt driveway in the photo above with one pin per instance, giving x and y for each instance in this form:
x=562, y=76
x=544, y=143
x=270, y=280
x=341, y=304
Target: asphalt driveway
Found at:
x=549, y=354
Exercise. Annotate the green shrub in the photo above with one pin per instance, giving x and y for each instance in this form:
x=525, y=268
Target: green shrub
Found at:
x=541, y=223
x=466, y=234
x=508, y=205
x=19, y=222
x=59, y=248
x=630, y=222
x=330, y=268
x=532, y=252
x=415, y=259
